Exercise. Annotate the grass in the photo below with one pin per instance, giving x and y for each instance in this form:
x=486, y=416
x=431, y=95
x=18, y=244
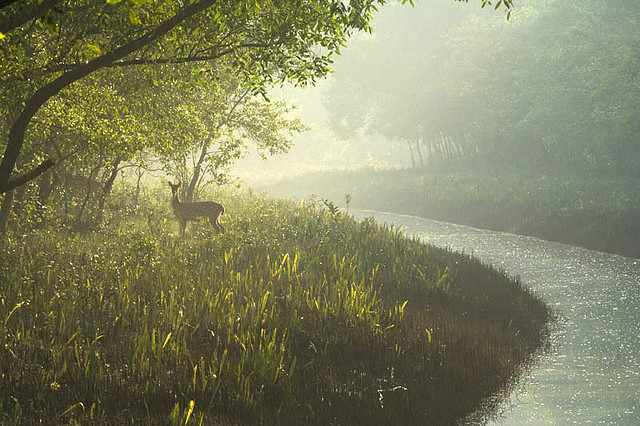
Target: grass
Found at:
x=297, y=315
x=597, y=213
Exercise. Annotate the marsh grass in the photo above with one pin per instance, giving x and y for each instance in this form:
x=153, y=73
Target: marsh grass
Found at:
x=600, y=213
x=297, y=315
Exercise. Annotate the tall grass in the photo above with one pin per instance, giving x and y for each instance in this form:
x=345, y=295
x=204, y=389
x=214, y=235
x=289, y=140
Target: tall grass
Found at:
x=600, y=213
x=298, y=314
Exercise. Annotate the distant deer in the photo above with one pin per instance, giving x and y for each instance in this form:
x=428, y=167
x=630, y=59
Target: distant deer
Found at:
x=185, y=211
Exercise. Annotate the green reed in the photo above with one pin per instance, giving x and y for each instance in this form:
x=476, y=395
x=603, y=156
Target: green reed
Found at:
x=594, y=212
x=296, y=315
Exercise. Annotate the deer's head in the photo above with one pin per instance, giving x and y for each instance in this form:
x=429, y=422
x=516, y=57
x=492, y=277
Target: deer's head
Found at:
x=174, y=188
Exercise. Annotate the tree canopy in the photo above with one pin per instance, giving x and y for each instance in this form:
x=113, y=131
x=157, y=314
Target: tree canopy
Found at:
x=49, y=46
x=46, y=46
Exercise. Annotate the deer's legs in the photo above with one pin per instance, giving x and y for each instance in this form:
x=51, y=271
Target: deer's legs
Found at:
x=183, y=227
x=219, y=225
x=215, y=222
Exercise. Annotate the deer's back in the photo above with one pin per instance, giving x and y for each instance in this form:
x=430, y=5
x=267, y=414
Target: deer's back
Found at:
x=192, y=211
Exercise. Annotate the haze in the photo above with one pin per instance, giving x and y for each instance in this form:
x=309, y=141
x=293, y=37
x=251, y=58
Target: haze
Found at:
x=552, y=90
x=319, y=212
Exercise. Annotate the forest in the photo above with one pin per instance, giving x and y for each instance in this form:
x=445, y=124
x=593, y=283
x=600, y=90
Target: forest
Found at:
x=552, y=91
x=528, y=125
x=293, y=311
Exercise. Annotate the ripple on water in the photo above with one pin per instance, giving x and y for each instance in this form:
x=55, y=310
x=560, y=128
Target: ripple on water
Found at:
x=592, y=374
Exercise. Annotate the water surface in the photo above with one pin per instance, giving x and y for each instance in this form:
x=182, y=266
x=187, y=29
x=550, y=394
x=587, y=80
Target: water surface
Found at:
x=591, y=375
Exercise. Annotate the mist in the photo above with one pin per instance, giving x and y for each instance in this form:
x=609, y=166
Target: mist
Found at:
x=448, y=86
x=348, y=212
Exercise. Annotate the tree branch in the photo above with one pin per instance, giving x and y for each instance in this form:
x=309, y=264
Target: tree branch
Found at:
x=19, y=127
x=35, y=10
x=26, y=177
x=163, y=61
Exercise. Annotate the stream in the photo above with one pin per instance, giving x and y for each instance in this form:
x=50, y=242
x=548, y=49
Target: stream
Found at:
x=591, y=375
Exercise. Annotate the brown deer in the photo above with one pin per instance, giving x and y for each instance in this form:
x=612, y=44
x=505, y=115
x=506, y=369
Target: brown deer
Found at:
x=185, y=211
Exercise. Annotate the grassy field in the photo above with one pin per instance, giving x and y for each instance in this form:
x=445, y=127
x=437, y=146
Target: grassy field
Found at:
x=597, y=213
x=296, y=315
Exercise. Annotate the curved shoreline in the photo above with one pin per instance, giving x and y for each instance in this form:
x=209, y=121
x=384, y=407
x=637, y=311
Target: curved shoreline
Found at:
x=300, y=316
x=598, y=214
x=596, y=297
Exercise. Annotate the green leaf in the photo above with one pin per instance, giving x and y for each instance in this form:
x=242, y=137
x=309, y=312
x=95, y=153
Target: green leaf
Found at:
x=133, y=17
x=192, y=404
x=12, y=311
x=94, y=47
x=70, y=409
x=166, y=340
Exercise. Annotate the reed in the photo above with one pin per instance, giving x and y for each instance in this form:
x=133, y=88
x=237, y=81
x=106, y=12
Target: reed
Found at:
x=599, y=213
x=295, y=315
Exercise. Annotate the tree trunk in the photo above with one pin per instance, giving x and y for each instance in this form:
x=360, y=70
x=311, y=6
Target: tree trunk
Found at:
x=196, y=172
x=88, y=196
x=46, y=186
x=5, y=210
x=419, y=153
x=139, y=174
x=108, y=185
x=413, y=160
x=42, y=95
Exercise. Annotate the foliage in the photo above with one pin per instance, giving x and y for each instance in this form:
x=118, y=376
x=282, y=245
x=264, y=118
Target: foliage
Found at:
x=295, y=315
x=264, y=42
x=121, y=118
x=228, y=120
x=554, y=89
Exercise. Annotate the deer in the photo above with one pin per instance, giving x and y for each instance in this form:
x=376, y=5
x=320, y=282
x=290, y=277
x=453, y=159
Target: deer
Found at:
x=186, y=211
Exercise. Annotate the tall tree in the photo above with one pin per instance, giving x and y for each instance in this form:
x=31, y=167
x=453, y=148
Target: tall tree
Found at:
x=266, y=41
x=224, y=114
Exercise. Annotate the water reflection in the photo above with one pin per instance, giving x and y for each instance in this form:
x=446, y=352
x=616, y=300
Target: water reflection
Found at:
x=592, y=373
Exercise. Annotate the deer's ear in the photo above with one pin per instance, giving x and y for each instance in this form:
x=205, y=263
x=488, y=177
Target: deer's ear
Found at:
x=170, y=185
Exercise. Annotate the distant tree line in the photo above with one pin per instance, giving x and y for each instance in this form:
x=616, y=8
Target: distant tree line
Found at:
x=554, y=90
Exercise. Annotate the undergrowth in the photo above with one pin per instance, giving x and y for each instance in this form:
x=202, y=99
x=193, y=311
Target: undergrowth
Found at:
x=298, y=314
x=599, y=213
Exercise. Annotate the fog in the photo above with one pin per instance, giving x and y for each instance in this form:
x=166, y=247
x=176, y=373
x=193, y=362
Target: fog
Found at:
x=497, y=132
x=327, y=147
x=450, y=86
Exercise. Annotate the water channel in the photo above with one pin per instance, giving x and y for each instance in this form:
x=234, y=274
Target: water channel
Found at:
x=591, y=375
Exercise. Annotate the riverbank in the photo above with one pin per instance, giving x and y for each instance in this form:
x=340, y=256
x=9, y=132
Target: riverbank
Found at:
x=297, y=314
x=594, y=343
x=601, y=214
